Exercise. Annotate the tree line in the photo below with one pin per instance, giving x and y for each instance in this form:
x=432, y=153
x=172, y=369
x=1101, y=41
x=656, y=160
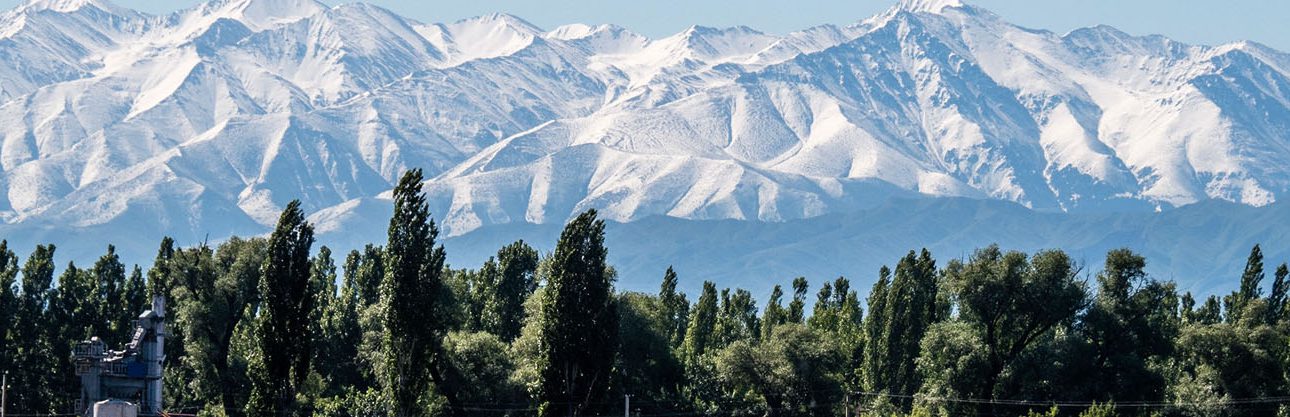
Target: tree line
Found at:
x=272, y=327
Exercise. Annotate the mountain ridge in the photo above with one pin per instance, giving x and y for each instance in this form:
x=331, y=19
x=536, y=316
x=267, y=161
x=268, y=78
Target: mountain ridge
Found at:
x=210, y=119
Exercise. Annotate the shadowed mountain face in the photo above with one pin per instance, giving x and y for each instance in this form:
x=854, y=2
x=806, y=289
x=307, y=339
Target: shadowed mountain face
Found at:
x=206, y=122
x=1202, y=246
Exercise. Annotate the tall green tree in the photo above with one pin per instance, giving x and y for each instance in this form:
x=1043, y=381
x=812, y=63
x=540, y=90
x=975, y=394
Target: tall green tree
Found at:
x=214, y=291
x=516, y=280
x=159, y=274
x=580, y=331
x=33, y=334
x=8, y=302
x=676, y=309
x=797, y=307
x=1013, y=303
x=875, y=367
x=1276, y=302
x=701, y=331
x=737, y=319
x=135, y=293
x=74, y=316
x=366, y=270
x=413, y=298
x=908, y=311
x=1130, y=324
x=116, y=317
x=840, y=317
x=343, y=336
x=647, y=369
x=774, y=314
x=1238, y=302
x=282, y=332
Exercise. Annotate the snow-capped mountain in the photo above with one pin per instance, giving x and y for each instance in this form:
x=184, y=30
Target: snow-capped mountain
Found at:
x=206, y=122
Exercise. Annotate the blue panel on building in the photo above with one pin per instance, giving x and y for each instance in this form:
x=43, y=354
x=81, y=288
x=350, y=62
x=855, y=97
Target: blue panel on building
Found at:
x=136, y=370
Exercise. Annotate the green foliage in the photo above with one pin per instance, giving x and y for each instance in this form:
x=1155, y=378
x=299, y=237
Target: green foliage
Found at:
x=952, y=364
x=1235, y=362
x=364, y=272
x=1100, y=410
x=875, y=367
x=699, y=336
x=214, y=293
x=281, y=362
x=1012, y=303
x=74, y=315
x=115, y=318
x=839, y=317
x=676, y=309
x=1276, y=301
x=340, y=335
x=579, y=336
x=516, y=279
x=479, y=360
x=33, y=333
x=791, y=373
x=414, y=320
x=646, y=367
x=908, y=307
x=8, y=302
x=737, y=319
x=797, y=307
x=1131, y=323
x=261, y=326
x=1239, y=301
x=774, y=314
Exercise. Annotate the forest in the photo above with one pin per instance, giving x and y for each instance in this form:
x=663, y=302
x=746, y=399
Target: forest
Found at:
x=272, y=326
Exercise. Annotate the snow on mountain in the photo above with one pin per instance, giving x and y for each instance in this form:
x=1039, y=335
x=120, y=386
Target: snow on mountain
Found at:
x=210, y=119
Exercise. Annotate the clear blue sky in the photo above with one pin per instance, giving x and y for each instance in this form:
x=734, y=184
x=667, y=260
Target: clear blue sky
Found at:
x=1192, y=21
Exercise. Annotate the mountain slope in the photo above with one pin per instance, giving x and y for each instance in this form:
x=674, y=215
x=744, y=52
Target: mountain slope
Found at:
x=206, y=122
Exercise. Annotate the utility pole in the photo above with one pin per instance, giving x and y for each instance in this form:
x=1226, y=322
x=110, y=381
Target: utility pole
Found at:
x=4, y=392
x=627, y=405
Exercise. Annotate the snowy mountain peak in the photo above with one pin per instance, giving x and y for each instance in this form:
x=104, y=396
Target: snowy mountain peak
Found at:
x=504, y=20
x=928, y=6
x=213, y=118
x=261, y=14
x=68, y=6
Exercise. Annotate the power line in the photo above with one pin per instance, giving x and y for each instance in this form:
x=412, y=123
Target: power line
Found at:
x=1082, y=404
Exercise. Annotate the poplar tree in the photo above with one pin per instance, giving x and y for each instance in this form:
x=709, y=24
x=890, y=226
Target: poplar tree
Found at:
x=701, y=329
x=774, y=314
x=1236, y=303
x=797, y=307
x=675, y=308
x=874, y=372
x=73, y=317
x=910, y=310
x=32, y=335
x=580, y=328
x=135, y=295
x=282, y=336
x=115, y=319
x=1277, y=297
x=8, y=302
x=412, y=294
x=159, y=274
x=516, y=280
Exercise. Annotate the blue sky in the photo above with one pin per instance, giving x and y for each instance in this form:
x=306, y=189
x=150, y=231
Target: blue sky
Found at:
x=1193, y=21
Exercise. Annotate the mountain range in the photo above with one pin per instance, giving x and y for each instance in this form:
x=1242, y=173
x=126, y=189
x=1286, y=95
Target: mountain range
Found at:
x=119, y=126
